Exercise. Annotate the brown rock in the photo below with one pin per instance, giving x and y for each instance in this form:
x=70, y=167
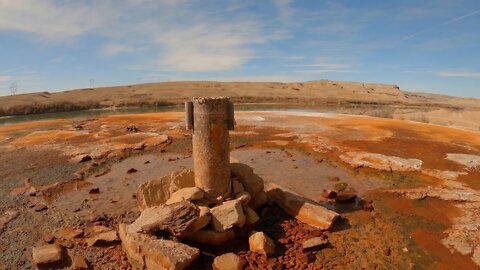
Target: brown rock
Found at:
x=157, y=140
x=259, y=242
x=79, y=263
x=237, y=187
x=314, y=242
x=229, y=261
x=147, y=252
x=244, y=197
x=40, y=207
x=94, y=230
x=329, y=194
x=345, y=196
x=94, y=191
x=175, y=218
x=46, y=254
x=211, y=237
x=301, y=208
x=227, y=215
x=258, y=200
x=202, y=221
x=106, y=237
x=251, y=182
x=49, y=238
x=8, y=216
x=186, y=194
x=157, y=192
x=68, y=233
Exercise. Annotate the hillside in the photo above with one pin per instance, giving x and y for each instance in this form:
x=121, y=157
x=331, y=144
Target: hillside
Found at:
x=322, y=91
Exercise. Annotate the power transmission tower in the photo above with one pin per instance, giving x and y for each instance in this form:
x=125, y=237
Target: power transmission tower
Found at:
x=92, y=82
x=13, y=88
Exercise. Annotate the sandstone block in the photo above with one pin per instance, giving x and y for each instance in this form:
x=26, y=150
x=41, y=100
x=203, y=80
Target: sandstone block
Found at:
x=186, y=194
x=229, y=261
x=227, y=215
x=314, y=242
x=175, y=218
x=46, y=254
x=157, y=192
x=147, y=252
x=237, y=187
x=203, y=220
x=251, y=182
x=258, y=200
x=106, y=237
x=251, y=216
x=302, y=208
x=259, y=242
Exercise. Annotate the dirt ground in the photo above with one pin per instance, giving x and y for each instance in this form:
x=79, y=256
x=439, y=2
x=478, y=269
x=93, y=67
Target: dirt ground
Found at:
x=46, y=184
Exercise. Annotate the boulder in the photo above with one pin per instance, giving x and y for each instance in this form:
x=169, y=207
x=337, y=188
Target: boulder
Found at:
x=175, y=218
x=227, y=215
x=202, y=220
x=345, y=196
x=251, y=216
x=46, y=254
x=259, y=242
x=314, y=242
x=229, y=261
x=148, y=252
x=244, y=173
x=157, y=192
x=106, y=237
x=186, y=194
x=301, y=208
x=211, y=237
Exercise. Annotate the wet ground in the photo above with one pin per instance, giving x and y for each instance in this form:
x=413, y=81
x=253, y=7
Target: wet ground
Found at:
x=300, y=151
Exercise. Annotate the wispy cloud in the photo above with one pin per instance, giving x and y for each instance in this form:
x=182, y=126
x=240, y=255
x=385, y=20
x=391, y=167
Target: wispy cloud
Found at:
x=115, y=48
x=457, y=19
x=461, y=74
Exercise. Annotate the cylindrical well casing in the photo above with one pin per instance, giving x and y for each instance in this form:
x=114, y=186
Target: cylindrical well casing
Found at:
x=211, y=153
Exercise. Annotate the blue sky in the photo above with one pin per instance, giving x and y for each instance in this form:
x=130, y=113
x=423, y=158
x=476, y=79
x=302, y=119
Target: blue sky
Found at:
x=53, y=45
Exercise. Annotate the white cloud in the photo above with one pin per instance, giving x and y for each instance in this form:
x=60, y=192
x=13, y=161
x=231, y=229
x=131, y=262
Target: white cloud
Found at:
x=326, y=71
x=462, y=74
x=114, y=49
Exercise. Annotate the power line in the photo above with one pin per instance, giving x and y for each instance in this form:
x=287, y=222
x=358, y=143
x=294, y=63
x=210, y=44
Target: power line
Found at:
x=13, y=89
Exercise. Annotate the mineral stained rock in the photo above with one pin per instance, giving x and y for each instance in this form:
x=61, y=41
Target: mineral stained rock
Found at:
x=259, y=242
x=46, y=254
x=229, y=261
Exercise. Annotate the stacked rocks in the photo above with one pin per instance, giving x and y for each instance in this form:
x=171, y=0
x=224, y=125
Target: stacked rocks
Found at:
x=175, y=211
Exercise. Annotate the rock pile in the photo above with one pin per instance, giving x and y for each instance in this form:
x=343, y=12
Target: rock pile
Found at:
x=176, y=212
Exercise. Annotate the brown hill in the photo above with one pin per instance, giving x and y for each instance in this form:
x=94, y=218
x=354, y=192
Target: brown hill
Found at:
x=322, y=91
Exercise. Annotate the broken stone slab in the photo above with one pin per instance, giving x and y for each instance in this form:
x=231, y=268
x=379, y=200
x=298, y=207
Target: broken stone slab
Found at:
x=106, y=237
x=227, y=215
x=157, y=140
x=202, y=220
x=148, y=252
x=94, y=230
x=157, y=192
x=68, y=233
x=314, y=242
x=229, y=261
x=470, y=161
x=244, y=173
x=211, y=237
x=345, y=196
x=244, y=197
x=46, y=254
x=186, y=194
x=381, y=162
x=259, y=242
x=175, y=218
x=301, y=208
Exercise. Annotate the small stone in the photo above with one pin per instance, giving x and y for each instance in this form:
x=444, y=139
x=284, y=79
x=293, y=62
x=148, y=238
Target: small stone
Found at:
x=68, y=233
x=345, y=196
x=132, y=170
x=387, y=251
x=340, y=186
x=94, y=191
x=46, y=254
x=40, y=207
x=186, y=194
x=79, y=263
x=259, y=242
x=227, y=215
x=329, y=194
x=314, y=242
x=229, y=261
x=106, y=237
x=94, y=230
x=49, y=238
x=251, y=216
x=65, y=243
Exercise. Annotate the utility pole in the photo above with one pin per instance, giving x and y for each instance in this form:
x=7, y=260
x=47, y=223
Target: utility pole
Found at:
x=13, y=88
x=92, y=82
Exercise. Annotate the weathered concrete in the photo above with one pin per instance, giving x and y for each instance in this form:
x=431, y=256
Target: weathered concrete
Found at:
x=211, y=153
